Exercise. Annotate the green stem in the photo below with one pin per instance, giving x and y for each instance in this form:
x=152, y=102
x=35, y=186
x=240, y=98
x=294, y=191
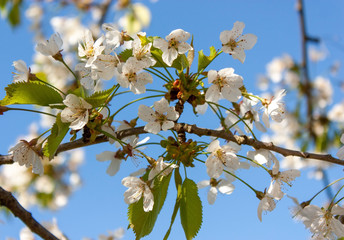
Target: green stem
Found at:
x=28, y=110
x=163, y=65
x=64, y=63
x=136, y=100
x=254, y=162
x=325, y=188
x=154, y=73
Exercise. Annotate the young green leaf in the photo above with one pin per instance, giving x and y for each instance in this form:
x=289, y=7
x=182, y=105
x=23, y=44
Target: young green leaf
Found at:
x=98, y=99
x=124, y=55
x=143, y=222
x=204, y=61
x=58, y=132
x=30, y=93
x=190, y=209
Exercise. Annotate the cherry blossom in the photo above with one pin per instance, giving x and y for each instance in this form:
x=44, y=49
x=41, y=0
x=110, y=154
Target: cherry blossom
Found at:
x=138, y=189
x=76, y=111
x=107, y=66
x=234, y=43
x=221, y=157
x=249, y=112
x=267, y=203
x=173, y=45
x=90, y=49
x=88, y=76
x=23, y=71
x=142, y=52
x=222, y=185
x=278, y=178
x=274, y=108
x=322, y=222
x=226, y=85
x=51, y=47
x=25, y=153
x=130, y=76
x=161, y=168
x=160, y=119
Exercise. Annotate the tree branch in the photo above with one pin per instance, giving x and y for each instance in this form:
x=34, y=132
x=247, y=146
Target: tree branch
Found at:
x=193, y=129
x=9, y=201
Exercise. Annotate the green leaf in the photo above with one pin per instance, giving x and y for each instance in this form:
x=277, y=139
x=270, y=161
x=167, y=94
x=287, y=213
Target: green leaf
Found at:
x=124, y=55
x=30, y=93
x=178, y=181
x=14, y=14
x=98, y=99
x=58, y=132
x=3, y=4
x=190, y=209
x=204, y=61
x=143, y=222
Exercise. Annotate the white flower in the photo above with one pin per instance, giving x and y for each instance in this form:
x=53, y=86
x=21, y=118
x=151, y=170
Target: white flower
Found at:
x=160, y=119
x=249, y=112
x=132, y=79
x=222, y=185
x=337, y=112
x=221, y=157
x=267, y=203
x=76, y=111
x=51, y=47
x=278, y=66
x=142, y=52
x=174, y=45
x=114, y=164
x=107, y=66
x=137, y=189
x=322, y=223
x=25, y=153
x=88, y=76
x=340, y=153
x=226, y=85
x=234, y=43
x=278, y=178
x=275, y=108
x=160, y=167
x=23, y=71
x=90, y=49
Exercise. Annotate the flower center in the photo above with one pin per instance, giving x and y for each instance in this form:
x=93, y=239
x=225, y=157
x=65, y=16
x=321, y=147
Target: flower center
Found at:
x=221, y=155
x=172, y=43
x=131, y=76
x=232, y=44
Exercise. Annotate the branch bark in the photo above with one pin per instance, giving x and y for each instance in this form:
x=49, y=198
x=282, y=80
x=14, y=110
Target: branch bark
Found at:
x=193, y=129
x=9, y=201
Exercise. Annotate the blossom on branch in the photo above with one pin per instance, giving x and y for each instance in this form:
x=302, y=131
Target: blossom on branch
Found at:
x=25, y=153
x=173, y=45
x=161, y=119
x=274, y=108
x=130, y=76
x=267, y=203
x=226, y=85
x=114, y=164
x=76, y=111
x=90, y=49
x=51, y=47
x=161, y=168
x=23, y=71
x=234, y=43
x=221, y=157
x=138, y=189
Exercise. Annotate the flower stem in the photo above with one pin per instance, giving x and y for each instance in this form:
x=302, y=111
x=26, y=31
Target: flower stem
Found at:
x=29, y=110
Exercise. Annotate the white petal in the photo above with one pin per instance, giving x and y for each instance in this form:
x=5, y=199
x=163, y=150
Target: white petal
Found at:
x=114, y=167
x=105, y=156
x=161, y=106
x=212, y=195
x=203, y=184
x=153, y=127
x=146, y=113
x=247, y=41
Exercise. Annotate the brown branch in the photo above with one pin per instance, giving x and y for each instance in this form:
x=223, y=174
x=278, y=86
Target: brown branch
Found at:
x=9, y=201
x=193, y=129
x=306, y=85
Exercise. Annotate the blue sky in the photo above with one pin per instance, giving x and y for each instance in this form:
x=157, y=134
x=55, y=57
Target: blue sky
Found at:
x=98, y=206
